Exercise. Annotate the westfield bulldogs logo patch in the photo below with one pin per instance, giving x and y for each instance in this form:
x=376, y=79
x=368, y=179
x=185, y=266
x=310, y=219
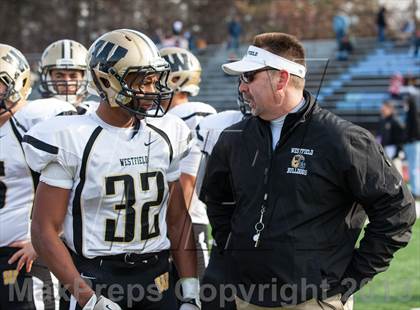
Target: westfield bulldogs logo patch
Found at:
x=298, y=162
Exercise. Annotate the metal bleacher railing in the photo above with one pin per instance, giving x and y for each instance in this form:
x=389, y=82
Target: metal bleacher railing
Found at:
x=354, y=89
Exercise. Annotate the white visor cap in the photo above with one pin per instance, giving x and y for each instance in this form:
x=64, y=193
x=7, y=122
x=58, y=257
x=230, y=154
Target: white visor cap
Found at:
x=257, y=58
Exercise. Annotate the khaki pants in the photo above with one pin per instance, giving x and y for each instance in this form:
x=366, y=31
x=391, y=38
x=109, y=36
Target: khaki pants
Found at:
x=331, y=303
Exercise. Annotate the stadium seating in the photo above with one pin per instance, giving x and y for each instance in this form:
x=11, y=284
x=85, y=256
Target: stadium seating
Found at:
x=354, y=89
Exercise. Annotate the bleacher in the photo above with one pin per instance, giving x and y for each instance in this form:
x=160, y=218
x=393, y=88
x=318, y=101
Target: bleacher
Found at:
x=353, y=89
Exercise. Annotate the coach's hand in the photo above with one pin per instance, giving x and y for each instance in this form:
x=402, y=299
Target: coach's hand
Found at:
x=100, y=303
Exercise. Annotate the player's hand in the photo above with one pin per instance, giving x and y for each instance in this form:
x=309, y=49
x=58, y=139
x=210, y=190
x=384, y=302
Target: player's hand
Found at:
x=100, y=303
x=25, y=256
x=190, y=294
x=190, y=305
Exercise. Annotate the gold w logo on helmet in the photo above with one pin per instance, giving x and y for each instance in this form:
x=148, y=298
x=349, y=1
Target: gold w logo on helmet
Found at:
x=102, y=55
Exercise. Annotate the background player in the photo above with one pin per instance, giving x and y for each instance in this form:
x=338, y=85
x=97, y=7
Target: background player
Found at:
x=185, y=79
x=218, y=270
x=17, y=186
x=63, y=75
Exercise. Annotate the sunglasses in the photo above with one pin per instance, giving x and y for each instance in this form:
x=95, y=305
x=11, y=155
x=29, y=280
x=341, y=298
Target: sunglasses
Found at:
x=248, y=77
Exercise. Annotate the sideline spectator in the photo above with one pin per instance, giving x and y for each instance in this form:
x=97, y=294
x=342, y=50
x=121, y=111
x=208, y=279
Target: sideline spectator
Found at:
x=417, y=43
x=341, y=25
x=407, y=32
x=157, y=36
x=409, y=88
x=234, y=31
x=201, y=45
x=345, y=48
x=177, y=39
x=381, y=23
x=391, y=131
x=412, y=146
x=394, y=89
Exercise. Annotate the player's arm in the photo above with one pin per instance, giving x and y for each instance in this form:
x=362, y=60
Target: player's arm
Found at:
x=187, y=182
x=182, y=242
x=50, y=208
x=180, y=233
x=189, y=167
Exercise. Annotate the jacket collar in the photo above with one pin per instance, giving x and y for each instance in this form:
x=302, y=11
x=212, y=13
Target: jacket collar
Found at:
x=303, y=114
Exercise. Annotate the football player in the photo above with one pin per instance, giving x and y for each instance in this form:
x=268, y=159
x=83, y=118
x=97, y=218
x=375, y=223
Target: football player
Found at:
x=184, y=80
x=17, y=187
x=217, y=274
x=63, y=75
x=110, y=179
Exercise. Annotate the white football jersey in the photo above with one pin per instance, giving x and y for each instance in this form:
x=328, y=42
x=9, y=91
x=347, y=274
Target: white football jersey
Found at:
x=210, y=128
x=17, y=181
x=118, y=179
x=36, y=111
x=87, y=107
x=192, y=113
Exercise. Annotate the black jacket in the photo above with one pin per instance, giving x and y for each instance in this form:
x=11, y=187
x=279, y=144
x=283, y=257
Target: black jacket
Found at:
x=321, y=172
x=391, y=131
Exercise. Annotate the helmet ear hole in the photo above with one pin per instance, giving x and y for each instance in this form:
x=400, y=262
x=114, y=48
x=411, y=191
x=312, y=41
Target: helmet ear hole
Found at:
x=105, y=82
x=24, y=82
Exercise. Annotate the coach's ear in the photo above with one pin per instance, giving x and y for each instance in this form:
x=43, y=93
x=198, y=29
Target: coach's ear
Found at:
x=282, y=80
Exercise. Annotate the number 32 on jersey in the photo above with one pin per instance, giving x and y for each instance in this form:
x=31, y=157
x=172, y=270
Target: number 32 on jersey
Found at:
x=128, y=203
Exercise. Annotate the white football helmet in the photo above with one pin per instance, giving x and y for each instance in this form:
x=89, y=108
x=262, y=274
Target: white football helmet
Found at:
x=65, y=55
x=185, y=73
x=123, y=52
x=15, y=74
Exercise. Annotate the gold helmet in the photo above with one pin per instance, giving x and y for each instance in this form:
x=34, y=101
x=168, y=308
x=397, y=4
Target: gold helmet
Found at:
x=114, y=56
x=185, y=73
x=66, y=55
x=15, y=74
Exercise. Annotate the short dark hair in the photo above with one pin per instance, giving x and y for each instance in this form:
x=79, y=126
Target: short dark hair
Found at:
x=284, y=45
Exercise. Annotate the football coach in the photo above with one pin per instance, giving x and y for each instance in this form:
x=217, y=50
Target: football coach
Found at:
x=289, y=189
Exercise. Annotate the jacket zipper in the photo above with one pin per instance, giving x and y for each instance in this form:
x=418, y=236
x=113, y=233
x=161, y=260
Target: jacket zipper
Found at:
x=259, y=226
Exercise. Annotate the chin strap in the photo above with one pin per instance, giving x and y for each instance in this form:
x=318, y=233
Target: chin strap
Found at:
x=16, y=121
x=12, y=116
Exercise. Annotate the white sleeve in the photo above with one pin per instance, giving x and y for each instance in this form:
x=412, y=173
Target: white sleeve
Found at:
x=191, y=162
x=43, y=146
x=181, y=140
x=56, y=175
x=205, y=137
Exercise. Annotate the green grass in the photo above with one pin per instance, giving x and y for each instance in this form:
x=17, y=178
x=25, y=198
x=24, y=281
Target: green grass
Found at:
x=398, y=288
